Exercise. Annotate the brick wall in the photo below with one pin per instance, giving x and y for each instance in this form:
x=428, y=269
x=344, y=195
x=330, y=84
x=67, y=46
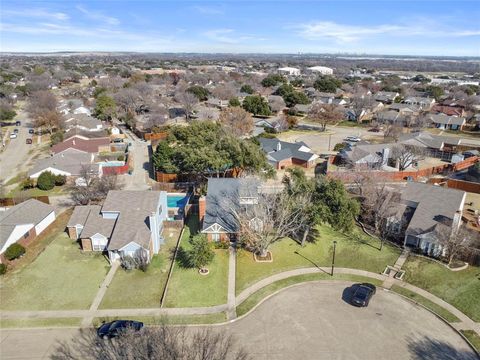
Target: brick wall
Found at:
x=72, y=232
x=202, y=206
x=86, y=245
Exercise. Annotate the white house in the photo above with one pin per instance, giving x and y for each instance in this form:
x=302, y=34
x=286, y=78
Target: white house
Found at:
x=322, y=70
x=289, y=71
x=24, y=222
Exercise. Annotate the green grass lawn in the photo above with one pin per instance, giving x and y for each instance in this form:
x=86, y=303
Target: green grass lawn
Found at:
x=60, y=278
x=187, y=288
x=171, y=320
x=138, y=289
x=473, y=337
x=447, y=315
x=57, y=190
x=459, y=288
x=288, y=255
x=40, y=322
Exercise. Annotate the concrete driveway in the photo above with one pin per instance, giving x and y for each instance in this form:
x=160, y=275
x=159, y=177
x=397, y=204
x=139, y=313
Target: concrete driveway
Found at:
x=309, y=321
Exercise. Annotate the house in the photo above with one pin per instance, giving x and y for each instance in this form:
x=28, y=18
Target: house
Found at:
x=82, y=143
x=82, y=110
x=23, y=222
x=127, y=223
x=405, y=109
x=82, y=122
x=426, y=214
x=69, y=162
x=423, y=102
x=321, y=70
x=386, y=97
x=302, y=108
x=366, y=155
x=391, y=117
x=282, y=154
x=448, y=110
x=273, y=125
x=289, y=71
x=443, y=121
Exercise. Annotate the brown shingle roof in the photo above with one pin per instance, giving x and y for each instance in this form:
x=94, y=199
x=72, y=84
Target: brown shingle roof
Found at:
x=81, y=143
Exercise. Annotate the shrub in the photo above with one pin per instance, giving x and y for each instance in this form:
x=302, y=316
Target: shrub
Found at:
x=138, y=261
x=3, y=269
x=56, y=138
x=14, y=251
x=46, y=181
x=27, y=184
x=121, y=158
x=201, y=253
x=60, y=180
x=339, y=147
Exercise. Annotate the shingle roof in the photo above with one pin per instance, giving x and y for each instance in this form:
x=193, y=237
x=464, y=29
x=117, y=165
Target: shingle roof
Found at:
x=80, y=214
x=70, y=160
x=82, y=120
x=287, y=150
x=435, y=205
x=80, y=143
x=28, y=212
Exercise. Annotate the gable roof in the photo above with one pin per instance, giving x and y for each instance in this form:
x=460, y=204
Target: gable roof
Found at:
x=70, y=161
x=28, y=212
x=279, y=150
x=80, y=143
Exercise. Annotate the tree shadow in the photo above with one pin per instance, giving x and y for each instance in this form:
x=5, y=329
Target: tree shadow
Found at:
x=312, y=262
x=183, y=258
x=348, y=293
x=432, y=349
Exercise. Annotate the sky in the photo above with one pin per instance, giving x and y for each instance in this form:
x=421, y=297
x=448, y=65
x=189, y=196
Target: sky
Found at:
x=449, y=28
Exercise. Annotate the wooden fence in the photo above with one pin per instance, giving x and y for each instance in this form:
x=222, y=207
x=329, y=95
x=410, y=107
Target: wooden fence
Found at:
x=4, y=202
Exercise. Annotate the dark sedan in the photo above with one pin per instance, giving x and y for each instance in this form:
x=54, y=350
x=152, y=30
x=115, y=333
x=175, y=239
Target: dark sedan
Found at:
x=363, y=294
x=115, y=328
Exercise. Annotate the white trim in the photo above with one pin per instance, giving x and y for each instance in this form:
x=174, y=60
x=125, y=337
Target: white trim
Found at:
x=215, y=228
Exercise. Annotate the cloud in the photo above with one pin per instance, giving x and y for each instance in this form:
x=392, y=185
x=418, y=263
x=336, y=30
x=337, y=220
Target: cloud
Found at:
x=36, y=13
x=349, y=33
x=95, y=15
x=208, y=10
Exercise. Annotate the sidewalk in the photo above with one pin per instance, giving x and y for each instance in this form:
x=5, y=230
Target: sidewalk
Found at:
x=232, y=262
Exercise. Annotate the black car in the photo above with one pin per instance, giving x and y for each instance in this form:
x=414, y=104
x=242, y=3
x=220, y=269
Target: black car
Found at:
x=18, y=123
x=362, y=295
x=31, y=131
x=15, y=131
x=115, y=328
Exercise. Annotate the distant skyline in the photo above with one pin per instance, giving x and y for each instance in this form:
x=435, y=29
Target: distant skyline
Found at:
x=435, y=28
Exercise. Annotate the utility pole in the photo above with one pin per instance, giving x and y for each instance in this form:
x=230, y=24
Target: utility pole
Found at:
x=333, y=258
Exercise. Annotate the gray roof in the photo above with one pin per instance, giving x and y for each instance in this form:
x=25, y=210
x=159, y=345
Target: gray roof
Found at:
x=28, y=212
x=97, y=224
x=447, y=120
x=423, y=139
x=132, y=224
x=80, y=214
x=70, y=160
x=287, y=150
x=223, y=197
x=83, y=120
x=435, y=205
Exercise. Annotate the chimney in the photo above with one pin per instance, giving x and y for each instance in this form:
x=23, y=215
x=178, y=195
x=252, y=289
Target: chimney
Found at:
x=202, y=204
x=279, y=146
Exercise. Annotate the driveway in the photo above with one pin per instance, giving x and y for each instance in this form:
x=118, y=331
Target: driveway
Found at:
x=309, y=321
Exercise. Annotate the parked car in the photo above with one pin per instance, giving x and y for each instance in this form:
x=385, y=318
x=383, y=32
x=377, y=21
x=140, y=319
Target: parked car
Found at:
x=374, y=130
x=31, y=131
x=363, y=294
x=353, y=139
x=15, y=131
x=13, y=136
x=18, y=123
x=115, y=328
x=29, y=141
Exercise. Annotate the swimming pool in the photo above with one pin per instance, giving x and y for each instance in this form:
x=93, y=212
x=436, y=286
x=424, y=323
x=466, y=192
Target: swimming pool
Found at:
x=174, y=201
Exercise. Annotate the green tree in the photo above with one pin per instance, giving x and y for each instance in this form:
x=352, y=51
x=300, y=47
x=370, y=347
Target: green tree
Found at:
x=105, y=107
x=162, y=159
x=297, y=82
x=435, y=91
x=234, y=102
x=327, y=84
x=46, y=181
x=246, y=89
x=256, y=105
x=201, y=254
x=273, y=80
x=56, y=137
x=291, y=96
x=199, y=91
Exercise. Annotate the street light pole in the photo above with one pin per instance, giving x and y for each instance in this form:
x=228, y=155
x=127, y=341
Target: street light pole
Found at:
x=333, y=258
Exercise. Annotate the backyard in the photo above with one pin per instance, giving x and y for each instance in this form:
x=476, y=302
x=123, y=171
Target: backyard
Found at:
x=138, y=289
x=187, y=288
x=60, y=278
x=459, y=288
x=356, y=252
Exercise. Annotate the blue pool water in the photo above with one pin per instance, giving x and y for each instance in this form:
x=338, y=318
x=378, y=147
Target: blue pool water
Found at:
x=177, y=201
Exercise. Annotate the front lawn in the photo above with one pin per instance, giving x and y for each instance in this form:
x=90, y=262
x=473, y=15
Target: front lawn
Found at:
x=459, y=288
x=62, y=277
x=289, y=255
x=138, y=289
x=187, y=288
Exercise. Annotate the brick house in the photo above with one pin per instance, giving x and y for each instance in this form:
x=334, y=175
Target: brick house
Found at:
x=23, y=222
x=282, y=154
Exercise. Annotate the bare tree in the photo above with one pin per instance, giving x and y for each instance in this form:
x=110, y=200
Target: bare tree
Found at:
x=360, y=103
x=157, y=117
x=271, y=217
x=188, y=101
x=42, y=106
x=393, y=131
x=459, y=243
x=157, y=343
x=405, y=156
x=237, y=120
x=92, y=188
x=325, y=114
x=224, y=91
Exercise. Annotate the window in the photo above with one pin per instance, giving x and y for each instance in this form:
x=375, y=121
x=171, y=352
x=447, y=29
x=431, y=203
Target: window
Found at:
x=98, y=247
x=26, y=234
x=215, y=236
